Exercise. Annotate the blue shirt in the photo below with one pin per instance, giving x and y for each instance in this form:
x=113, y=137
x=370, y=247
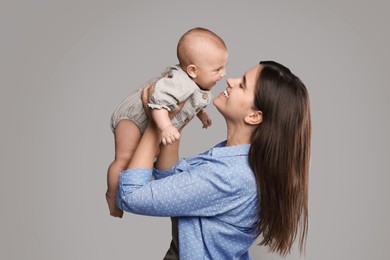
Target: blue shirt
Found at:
x=214, y=195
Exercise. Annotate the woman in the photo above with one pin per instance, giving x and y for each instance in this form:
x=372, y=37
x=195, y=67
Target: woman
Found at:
x=256, y=182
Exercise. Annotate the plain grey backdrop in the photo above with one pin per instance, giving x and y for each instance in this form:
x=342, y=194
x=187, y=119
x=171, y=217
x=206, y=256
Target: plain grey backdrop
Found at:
x=65, y=65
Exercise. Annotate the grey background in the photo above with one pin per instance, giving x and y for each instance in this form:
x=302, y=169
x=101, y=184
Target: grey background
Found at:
x=66, y=65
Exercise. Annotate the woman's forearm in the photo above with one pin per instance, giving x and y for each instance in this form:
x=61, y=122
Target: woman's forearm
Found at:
x=169, y=155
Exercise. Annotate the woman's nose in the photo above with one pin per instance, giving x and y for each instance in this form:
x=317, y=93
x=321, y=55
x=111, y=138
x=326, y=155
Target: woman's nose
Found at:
x=231, y=82
x=228, y=81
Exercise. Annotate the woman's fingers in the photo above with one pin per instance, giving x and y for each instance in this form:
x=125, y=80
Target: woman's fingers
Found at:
x=145, y=96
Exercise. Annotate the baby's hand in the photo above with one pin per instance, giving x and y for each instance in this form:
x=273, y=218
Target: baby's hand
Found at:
x=169, y=135
x=207, y=123
x=205, y=119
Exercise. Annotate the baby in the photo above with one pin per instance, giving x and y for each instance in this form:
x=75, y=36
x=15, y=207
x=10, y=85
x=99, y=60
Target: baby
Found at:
x=202, y=59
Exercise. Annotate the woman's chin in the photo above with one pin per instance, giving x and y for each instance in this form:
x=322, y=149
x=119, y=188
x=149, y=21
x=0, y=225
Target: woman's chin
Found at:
x=217, y=102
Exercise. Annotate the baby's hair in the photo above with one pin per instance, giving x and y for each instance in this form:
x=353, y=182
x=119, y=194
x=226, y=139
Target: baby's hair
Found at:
x=195, y=37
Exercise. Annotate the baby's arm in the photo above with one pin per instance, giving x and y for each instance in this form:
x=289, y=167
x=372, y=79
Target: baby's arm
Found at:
x=169, y=133
x=204, y=118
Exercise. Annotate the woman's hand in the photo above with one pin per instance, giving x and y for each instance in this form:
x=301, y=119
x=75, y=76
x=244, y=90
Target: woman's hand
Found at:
x=146, y=93
x=145, y=96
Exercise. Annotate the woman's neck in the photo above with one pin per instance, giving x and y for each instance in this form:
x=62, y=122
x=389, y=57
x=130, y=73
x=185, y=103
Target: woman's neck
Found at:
x=237, y=135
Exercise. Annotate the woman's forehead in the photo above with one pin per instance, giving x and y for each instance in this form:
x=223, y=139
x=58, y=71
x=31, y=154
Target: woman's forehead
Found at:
x=253, y=74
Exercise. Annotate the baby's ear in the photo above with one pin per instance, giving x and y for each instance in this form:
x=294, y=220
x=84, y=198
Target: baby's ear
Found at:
x=192, y=71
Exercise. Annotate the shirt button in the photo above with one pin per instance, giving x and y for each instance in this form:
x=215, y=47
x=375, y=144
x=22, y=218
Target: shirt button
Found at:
x=205, y=96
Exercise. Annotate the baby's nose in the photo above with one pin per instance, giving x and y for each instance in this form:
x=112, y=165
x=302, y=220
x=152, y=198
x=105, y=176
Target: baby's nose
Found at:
x=222, y=74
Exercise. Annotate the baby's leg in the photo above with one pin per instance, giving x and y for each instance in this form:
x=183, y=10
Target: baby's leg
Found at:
x=127, y=136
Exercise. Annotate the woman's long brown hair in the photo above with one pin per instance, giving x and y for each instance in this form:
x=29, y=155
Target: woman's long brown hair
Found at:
x=280, y=157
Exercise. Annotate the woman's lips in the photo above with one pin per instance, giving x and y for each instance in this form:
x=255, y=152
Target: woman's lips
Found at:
x=225, y=93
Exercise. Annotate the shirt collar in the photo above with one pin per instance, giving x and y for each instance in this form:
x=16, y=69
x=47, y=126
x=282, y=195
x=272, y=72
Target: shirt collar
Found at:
x=221, y=150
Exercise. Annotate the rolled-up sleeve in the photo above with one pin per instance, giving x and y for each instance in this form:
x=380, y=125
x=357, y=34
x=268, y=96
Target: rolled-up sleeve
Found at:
x=131, y=180
x=181, y=166
x=184, y=190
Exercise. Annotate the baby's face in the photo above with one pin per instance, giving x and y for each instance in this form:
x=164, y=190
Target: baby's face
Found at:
x=211, y=68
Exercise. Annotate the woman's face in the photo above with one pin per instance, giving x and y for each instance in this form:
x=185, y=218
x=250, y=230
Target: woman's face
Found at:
x=238, y=98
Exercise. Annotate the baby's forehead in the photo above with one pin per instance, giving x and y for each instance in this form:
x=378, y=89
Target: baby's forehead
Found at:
x=206, y=46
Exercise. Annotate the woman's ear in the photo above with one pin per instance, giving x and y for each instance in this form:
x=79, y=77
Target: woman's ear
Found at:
x=192, y=71
x=255, y=117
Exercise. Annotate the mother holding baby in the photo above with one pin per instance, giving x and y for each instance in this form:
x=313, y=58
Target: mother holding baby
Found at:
x=254, y=183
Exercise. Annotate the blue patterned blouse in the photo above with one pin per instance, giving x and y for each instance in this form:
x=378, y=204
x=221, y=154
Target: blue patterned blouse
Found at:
x=214, y=195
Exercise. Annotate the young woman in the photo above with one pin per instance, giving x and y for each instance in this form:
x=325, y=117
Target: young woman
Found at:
x=254, y=183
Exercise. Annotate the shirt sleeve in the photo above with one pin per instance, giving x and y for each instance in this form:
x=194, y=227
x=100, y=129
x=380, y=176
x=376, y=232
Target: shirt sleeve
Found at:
x=185, y=190
x=160, y=174
x=170, y=91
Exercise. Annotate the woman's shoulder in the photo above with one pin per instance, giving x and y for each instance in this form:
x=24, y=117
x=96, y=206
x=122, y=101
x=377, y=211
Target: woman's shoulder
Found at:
x=227, y=155
x=230, y=162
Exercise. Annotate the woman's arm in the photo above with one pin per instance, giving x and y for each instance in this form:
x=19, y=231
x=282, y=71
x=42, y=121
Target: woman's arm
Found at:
x=146, y=150
x=169, y=155
x=195, y=188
